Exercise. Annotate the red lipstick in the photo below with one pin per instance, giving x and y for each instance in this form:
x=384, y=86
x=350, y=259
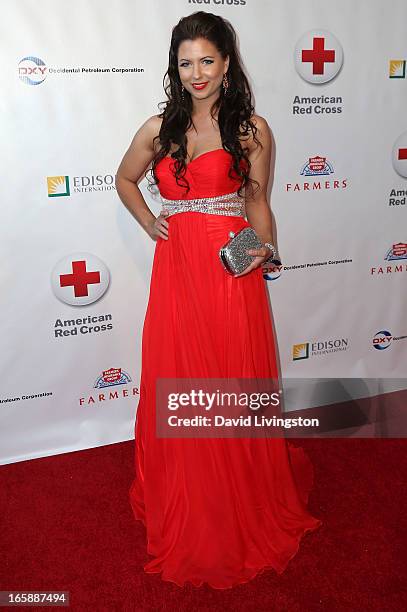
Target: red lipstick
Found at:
x=199, y=85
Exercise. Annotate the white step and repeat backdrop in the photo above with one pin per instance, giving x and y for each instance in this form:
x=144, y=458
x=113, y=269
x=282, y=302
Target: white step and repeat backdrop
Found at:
x=80, y=78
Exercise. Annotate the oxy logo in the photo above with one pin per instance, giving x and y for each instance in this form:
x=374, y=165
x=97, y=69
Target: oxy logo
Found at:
x=271, y=273
x=58, y=186
x=316, y=166
x=32, y=70
x=399, y=155
x=111, y=377
x=80, y=279
x=397, y=69
x=318, y=56
x=382, y=340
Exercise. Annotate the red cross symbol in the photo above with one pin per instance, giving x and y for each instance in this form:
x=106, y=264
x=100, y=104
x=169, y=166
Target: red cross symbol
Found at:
x=318, y=55
x=79, y=279
x=402, y=153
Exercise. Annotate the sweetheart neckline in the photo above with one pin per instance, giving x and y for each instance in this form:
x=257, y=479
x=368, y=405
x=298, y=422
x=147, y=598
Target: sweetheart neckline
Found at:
x=201, y=155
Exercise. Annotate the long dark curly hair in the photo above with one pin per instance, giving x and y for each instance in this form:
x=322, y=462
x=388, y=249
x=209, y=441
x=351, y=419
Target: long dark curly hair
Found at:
x=235, y=106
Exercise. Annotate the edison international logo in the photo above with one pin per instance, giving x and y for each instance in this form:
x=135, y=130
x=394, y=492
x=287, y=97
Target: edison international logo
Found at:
x=300, y=351
x=317, y=166
x=58, y=186
x=397, y=252
x=383, y=339
x=305, y=350
x=397, y=69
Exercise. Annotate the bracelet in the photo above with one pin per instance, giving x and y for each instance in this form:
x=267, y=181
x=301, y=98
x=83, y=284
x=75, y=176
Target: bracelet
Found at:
x=272, y=249
x=274, y=257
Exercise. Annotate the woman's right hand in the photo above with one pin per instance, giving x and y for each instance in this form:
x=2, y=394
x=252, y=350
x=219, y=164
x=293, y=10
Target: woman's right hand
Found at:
x=159, y=227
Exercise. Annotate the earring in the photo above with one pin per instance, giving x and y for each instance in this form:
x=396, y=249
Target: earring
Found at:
x=182, y=92
x=225, y=83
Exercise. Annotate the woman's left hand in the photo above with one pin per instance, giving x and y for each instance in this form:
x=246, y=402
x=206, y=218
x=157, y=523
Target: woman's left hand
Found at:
x=261, y=255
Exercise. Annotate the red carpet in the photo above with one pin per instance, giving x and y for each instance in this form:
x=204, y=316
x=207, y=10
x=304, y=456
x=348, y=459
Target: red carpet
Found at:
x=66, y=524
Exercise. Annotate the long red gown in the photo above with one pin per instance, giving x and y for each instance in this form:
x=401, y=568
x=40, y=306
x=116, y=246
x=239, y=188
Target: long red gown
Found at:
x=217, y=510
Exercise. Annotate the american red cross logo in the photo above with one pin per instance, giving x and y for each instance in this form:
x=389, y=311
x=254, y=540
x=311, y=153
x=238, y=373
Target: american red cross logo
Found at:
x=79, y=279
x=318, y=55
x=402, y=154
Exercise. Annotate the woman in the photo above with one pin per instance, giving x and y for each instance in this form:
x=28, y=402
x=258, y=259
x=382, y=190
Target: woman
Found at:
x=215, y=510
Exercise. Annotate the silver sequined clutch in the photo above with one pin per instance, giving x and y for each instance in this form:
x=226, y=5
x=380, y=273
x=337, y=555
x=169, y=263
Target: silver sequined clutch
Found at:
x=233, y=254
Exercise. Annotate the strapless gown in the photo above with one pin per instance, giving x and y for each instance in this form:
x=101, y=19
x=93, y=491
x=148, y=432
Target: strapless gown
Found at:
x=216, y=510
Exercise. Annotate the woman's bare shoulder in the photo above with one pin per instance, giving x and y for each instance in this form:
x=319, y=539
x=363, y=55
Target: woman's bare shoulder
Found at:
x=261, y=124
x=150, y=129
x=154, y=122
x=263, y=131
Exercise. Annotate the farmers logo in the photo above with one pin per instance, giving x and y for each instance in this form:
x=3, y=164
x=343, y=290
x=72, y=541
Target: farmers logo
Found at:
x=397, y=252
x=113, y=376
x=317, y=166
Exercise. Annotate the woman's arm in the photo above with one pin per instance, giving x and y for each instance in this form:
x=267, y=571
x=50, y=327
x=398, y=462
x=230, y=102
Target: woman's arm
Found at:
x=132, y=167
x=258, y=211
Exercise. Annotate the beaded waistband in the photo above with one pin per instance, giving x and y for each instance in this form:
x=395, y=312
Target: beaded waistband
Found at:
x=229, y=204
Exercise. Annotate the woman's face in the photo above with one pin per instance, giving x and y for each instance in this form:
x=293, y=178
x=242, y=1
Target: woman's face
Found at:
x=200, y=62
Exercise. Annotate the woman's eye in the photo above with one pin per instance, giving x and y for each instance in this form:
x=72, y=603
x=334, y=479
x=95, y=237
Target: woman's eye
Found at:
x=185, y=64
